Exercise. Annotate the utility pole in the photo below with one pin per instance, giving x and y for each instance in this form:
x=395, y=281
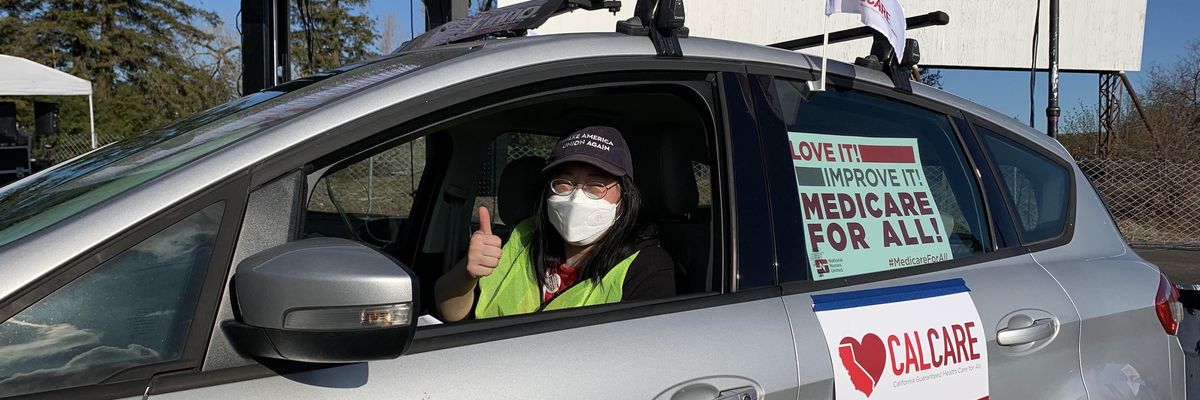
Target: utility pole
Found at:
x=1052, y=110
x=438, y=12
x=265, y=30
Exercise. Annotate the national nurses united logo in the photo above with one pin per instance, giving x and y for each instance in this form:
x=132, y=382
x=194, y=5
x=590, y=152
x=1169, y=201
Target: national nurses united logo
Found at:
x=822, y=266
x=920, y=341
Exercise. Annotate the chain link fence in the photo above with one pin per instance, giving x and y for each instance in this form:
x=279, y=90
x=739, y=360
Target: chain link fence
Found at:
x=1156, y=203
x=381, y=185
x=59, y=148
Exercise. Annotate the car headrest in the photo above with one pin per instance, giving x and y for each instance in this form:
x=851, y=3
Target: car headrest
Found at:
x=517, y=193
x=666, y=179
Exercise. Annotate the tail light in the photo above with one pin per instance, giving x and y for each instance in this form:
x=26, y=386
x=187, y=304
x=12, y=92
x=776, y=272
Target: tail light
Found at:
x=1167, y=305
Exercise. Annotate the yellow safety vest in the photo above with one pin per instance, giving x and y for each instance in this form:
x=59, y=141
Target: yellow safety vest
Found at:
x=511, y=289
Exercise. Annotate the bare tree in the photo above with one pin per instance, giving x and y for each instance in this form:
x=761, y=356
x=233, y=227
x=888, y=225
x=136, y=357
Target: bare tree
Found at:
x=387, y=41
x=1172, y=99
x=930, y=76
x=221, y=57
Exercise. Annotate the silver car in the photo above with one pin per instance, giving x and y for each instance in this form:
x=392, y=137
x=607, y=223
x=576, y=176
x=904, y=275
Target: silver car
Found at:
x=855, y=242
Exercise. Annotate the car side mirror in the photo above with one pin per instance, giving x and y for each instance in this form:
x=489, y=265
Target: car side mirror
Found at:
x=323, y=300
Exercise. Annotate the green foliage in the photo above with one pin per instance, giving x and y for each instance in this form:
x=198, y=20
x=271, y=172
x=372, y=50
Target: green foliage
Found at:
x=340, y=33
x=144, y=58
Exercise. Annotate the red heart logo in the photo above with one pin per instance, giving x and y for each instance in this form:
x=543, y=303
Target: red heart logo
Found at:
x=864, y=361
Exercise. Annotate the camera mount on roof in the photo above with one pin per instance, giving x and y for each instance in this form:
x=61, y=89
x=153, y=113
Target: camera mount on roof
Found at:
x=662, y=20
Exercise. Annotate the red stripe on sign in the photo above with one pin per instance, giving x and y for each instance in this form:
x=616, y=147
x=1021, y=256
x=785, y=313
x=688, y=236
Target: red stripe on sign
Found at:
x=886, y=154
x=983, y=398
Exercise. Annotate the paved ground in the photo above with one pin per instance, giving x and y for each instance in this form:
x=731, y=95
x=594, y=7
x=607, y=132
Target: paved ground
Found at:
x=1181, y=266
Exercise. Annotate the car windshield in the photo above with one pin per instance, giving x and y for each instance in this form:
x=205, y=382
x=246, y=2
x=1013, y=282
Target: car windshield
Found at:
x=38, y=201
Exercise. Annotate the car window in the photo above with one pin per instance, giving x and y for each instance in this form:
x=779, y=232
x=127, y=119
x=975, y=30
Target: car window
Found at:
x=132, y=310
x=881, y=184
x=31, y=204
x=370, y=200
x=470, y=157
x=510, y=179
x=1036, y=187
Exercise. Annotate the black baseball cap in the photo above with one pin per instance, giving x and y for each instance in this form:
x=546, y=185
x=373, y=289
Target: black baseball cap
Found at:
x=601, y=146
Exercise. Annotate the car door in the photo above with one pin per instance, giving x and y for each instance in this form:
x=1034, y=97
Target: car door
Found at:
x=855, y=265
x=730, y=339
x=1127, y=349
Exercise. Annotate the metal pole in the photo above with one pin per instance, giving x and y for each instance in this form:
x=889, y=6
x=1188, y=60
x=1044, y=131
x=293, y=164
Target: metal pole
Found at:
x=824, y=58
x=1137, y=102
x=1109, y=110
x=281, y=35
x=257, y=71
x=438, y=12
x=265, y=47
x=92, y=121
x=1052, y=110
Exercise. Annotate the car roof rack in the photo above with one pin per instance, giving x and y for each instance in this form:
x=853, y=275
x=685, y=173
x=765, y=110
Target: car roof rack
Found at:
x=882, y=57
x=510, y=21
x=915, y=22
x=662, y=21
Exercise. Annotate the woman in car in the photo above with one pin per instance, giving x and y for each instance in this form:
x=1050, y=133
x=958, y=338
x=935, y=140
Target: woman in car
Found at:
x=584, y=246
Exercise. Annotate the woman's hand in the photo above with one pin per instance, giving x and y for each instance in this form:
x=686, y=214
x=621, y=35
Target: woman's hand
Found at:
x=483, y=254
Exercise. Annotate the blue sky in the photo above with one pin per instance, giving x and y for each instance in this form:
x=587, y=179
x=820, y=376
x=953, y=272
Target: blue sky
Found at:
x=1167, y=34
x=228, y=9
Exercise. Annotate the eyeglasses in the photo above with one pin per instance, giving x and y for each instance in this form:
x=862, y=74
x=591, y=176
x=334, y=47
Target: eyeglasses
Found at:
x=593, y=190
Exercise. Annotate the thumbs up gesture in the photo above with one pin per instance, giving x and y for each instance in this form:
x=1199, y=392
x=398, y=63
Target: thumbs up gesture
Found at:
x=483, y=254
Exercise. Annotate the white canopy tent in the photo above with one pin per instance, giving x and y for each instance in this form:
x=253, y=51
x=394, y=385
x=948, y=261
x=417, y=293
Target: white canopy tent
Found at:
x=21, y=77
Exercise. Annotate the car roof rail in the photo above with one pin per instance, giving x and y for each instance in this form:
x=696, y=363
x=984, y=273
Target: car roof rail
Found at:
x=882, y=57
x=510, y=21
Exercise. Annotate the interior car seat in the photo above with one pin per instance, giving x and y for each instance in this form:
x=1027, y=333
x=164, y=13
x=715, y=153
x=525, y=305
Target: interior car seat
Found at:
x=517, y=193
x=671, y=199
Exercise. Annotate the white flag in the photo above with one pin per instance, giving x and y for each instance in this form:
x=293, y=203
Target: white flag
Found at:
x=885, y=16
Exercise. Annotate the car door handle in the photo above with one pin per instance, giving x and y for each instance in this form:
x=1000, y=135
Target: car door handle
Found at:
x=709, y=388
x=1038, y=330
x=738, y=394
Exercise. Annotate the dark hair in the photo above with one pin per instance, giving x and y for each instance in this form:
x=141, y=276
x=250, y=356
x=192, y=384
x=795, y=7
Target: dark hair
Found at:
x=546, y=245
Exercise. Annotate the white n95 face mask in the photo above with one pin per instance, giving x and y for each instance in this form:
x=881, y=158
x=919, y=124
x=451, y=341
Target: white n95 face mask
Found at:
x=579, y=219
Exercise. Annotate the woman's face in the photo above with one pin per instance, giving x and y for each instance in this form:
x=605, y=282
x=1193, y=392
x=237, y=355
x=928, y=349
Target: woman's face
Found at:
x=582, y=174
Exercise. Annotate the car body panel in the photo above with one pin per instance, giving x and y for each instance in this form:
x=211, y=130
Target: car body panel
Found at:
x=1002, y=285
x=1075, y=281
x=738, y=345
x=1122, y=343
x=998, y=288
